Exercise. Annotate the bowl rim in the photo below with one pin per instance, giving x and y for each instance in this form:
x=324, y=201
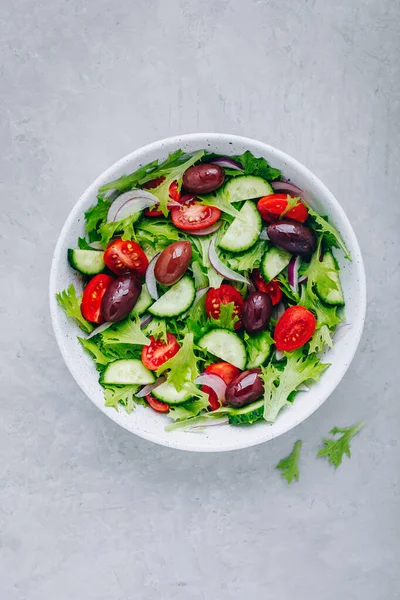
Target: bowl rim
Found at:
x=199, y=137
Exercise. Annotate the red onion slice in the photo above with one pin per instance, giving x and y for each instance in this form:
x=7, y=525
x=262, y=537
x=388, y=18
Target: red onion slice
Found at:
x=151, y=282
x=293, y=273
x=264, y=234
x=284, y=187
x=303, y=279
x=147, y=389
x=341, y=331
x=216, y=383
x=227, y=163
x=207, y=230
x=99, y=329
x=145, y=320
x=129, y=203
x=221, y=268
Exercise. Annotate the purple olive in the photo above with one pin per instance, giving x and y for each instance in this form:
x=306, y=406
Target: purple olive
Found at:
x=120, y=297
x=256, y=312
x=293, y=237
x=246, y=388
x=202, y=179
x=173, y=263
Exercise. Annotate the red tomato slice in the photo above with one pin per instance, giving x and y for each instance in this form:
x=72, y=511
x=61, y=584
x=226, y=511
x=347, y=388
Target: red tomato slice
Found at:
x=174, y=194
x=272, y=288
x=157, y=405
x=227, y=372
x=194, y=216
x=271, y=208
x=158, y=352
x=225, y=294
x=93, y=296
x=294, y=329
x=125, y=256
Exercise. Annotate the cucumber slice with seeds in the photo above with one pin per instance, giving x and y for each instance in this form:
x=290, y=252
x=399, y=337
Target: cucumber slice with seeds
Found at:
x=176, y=301
x=247, y=187
x=127, y=372
x=273, y=262
x=244, y=231
x=88, y=262
x=226, y=345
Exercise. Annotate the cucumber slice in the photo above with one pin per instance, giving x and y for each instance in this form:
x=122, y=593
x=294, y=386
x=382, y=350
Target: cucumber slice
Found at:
x=127, y=372
x=169, y=394
x=248, y=414
x=247, y=187
x=244, y=231
x=258, y=349
x=176, y=301
x=225, y=345
x=88, y=262
x=273, y=262
x=327, y=283
x=143, y=303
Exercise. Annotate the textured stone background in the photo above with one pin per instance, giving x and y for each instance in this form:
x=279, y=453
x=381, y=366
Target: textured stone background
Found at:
x=88, y=511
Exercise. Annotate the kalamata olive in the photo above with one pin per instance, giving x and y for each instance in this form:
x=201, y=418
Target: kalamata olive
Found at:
x=256, y=312
x=202, y=179
x=246, y=388
x=120, y=297
x=292, y=236
x=173, y=262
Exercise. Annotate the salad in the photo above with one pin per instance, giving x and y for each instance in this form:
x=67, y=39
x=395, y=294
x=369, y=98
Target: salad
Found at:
x=210, y=290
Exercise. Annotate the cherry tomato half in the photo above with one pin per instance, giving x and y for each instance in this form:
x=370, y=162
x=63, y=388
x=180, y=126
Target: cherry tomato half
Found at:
x=93, y=296
x=272, y=288
x=157, y=405
x=294, y=329
x=225, y=294
x=158, y=352
x=227, y=372
x=125, y=256
x=271, y=208
x=174, y=194
x=194, y=216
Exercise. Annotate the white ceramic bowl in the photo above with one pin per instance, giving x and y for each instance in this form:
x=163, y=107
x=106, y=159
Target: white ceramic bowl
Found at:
x=149, y=424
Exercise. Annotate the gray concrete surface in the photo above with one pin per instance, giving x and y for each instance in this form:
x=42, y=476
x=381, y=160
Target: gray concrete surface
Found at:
x=88, y=511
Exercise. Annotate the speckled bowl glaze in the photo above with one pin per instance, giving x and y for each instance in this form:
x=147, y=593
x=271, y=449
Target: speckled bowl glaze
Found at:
x=149, y=424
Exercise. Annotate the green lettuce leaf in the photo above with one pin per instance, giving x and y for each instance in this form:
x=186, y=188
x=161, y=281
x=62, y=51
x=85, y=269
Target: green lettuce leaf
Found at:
x=200, y=247
x=251, y=259
x=97, y=214
x=220, y=200
x=286, y=288
x=279, y=385
x=71, y=305
x=158, y=329
x=146, y=173
x=96, y=353
x=321, y=338
x=124, y=228
x=226, y=319
x=334, y=450
x=290, y=465
x=124, y=396
x=174, y=173
x=331, y=235
x=182, y=368
x=125, y=332
x=325, y=315
x=190, y=409
x=257, y=166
